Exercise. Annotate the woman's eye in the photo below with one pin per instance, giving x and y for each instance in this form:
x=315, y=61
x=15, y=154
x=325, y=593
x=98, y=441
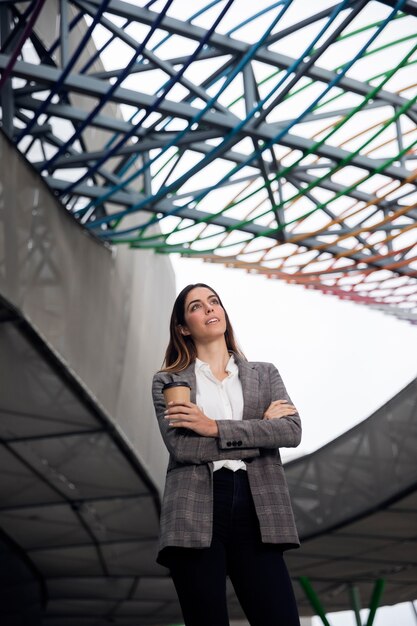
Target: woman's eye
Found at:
x=194, y=307
x=214, y=301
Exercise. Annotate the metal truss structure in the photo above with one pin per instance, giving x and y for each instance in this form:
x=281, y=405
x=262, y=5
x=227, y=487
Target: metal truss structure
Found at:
x=281, y=141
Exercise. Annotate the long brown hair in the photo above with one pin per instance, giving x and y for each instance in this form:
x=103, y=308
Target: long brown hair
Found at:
x=181, y=350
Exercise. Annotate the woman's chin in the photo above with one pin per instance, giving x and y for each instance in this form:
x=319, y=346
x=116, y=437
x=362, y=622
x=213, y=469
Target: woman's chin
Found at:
x=212, y=334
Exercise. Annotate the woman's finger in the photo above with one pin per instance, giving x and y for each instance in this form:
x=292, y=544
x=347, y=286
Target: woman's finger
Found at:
x=180, y=410
x=181, y=424
x=179, y=416
x=280, y=413
x=281, y=410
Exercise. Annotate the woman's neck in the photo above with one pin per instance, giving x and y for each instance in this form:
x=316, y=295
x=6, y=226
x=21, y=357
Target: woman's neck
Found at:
x=216, y=355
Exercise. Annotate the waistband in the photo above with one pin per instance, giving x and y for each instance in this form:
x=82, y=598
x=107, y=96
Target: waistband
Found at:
x=227, y=473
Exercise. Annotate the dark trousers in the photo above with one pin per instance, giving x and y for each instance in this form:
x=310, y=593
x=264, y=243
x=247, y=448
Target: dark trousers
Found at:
x=257, y=570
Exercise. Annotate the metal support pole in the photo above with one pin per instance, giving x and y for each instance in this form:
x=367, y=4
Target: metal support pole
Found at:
x=414, y=609
x=399, y=137
x=313, y=599
x=147, y=178
x=64, y=32
x=375, y=600
x=6, y=93
x=356, y=603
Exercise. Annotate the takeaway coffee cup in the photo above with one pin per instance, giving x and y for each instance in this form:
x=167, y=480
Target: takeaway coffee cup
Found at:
x=176, y=392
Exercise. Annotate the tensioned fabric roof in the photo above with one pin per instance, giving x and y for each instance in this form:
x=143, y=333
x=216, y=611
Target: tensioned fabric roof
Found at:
x=73, y=496
x=355, y=502
x=279, y=137
x=75, y=499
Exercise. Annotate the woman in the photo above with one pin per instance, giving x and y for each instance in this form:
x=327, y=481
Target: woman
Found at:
x=226, y=508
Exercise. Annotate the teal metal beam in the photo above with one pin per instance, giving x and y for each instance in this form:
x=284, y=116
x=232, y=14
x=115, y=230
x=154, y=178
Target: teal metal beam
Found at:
x=354, y=594
x=375, y=600
x=313, y=599
x=356, y=603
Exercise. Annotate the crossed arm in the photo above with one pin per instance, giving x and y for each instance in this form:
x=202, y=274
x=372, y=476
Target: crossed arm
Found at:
x=192, y=437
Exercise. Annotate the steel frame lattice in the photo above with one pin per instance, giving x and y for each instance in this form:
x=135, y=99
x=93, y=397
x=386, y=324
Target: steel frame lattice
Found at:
x=297, y=166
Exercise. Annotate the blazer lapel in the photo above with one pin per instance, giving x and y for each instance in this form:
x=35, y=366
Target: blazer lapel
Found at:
x=250, y=386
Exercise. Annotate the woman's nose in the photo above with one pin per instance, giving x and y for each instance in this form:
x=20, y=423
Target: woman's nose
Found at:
x=209, y=308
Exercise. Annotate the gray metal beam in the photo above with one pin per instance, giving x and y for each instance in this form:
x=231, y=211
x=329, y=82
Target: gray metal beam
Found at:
x=85, y=85
x=96, y=88
x=409, y=7
x=355, y=193
x=386, y=228
x=64, y=30
x=76, y=114
x=82, y=159
x=312, y=19
x=56, y=142
x=6, y=93
x=158, y=63
x=307, y=63
x=313, y=117
x=116, y=125
x=147, y=67
x=327, y=211
x=166, y=207
x=229, y=45
x=300, y=173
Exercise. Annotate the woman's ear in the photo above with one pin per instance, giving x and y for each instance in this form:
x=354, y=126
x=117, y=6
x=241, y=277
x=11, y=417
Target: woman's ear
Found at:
x=184, y=330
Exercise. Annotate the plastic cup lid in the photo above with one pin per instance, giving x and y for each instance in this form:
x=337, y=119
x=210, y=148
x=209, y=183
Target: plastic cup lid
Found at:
x=178, y=383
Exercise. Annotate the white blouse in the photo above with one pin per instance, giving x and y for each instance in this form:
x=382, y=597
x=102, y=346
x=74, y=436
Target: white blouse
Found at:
x=220, y=400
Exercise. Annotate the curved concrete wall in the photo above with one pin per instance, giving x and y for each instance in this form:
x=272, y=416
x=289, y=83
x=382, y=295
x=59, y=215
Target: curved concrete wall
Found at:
x=104, y=311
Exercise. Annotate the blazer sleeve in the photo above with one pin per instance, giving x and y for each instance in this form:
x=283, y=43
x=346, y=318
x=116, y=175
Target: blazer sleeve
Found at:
x=185, y=445
x=283, y=432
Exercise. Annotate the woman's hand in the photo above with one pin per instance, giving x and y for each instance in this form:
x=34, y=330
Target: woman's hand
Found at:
x=279, y=408
x=189, y=415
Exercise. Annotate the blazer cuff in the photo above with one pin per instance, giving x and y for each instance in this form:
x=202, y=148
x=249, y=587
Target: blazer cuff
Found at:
x=229, y=441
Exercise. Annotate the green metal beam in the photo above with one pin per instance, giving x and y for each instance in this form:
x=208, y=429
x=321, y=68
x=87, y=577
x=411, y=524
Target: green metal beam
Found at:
x=354, y=594
x=356, y=603
x=375, y=600
x=313, y=599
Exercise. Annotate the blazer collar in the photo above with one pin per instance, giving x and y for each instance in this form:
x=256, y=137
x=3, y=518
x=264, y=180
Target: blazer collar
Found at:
x=250, y=385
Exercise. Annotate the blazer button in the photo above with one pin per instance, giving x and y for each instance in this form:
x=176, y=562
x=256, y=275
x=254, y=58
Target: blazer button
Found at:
x=239, y=443
x=234, y=443
x=229, y=443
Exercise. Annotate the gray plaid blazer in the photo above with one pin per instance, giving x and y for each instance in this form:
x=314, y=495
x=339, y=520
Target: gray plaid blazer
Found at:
x=187, y=505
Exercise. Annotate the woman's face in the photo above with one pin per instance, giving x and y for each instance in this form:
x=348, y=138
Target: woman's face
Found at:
x=204, y=316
